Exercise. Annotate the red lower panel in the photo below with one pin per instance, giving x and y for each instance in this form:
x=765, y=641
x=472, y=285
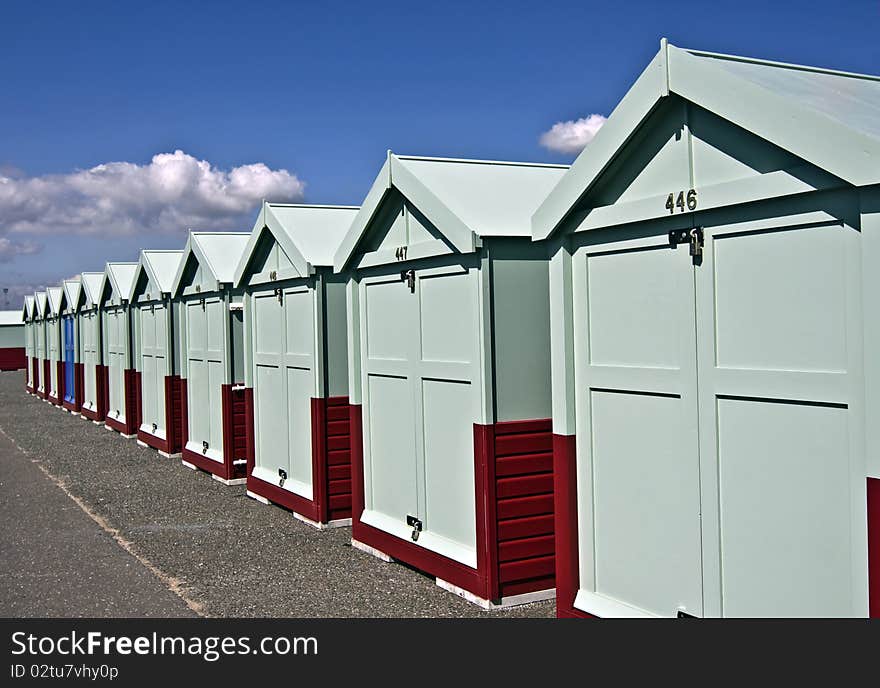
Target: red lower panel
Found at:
x=76, y=405
x=565, y=514
x=331, y=468
x=47, y=379
x=132, y=402
x=58, y=400
x=874, y=548
x=13, y=358
x=234, y=436
x=99, y=411
x=171, y=443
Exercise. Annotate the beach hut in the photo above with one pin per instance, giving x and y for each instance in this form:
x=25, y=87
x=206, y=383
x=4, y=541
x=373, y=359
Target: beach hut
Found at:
x=211, y=360
x=13, y=341
x=120, y=391
x=449, y=375
x=295, y=362
x=714, y=291
x=41, y=307
x=93, y=404
x=71, y=354
x=27, y=314
x=54, y=343
x=156, y=353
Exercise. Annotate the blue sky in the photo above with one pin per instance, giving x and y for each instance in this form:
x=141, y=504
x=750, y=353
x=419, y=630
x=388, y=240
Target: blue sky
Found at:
x=323, y=89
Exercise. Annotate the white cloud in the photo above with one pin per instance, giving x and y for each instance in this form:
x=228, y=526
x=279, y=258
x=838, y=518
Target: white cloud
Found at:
x=172, y=193
x=572, y=135
x=9, y=248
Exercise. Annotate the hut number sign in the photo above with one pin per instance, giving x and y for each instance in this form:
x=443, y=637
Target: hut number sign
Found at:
x=685, y=199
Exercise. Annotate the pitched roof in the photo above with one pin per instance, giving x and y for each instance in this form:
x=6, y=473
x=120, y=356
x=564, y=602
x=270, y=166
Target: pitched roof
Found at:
x=41, y=303
x=27, y=308
x=11, y=318
x=784, y=104
x=72, y=290
x=218, y=252
x=121, y=278
x=56, y=299
x=464, y=199
x=161, y=268
x=91, y=282
x=308, y=234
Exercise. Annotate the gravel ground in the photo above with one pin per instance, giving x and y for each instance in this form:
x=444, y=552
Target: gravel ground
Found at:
x=229, y=555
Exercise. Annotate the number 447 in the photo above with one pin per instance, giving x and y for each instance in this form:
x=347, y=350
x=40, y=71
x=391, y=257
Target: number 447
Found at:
x=682, y=201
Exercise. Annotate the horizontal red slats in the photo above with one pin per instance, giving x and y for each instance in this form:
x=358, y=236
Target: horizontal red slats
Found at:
x=337, y=428
x=338, y=401
x=519, y=427
x=339, y=487
x=530, y=585
x=341, y=501
x=540, y=546
x=525, y=527
x=526, y=568
x=339, y=457
x=339, y=442
x=341, y=472
x=523, y=485
x=516, y=507
x=520, y=464
x=532, y=443
x=337, y=413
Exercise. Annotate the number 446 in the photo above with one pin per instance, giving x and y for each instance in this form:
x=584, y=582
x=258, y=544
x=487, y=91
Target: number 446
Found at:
x=682, y=201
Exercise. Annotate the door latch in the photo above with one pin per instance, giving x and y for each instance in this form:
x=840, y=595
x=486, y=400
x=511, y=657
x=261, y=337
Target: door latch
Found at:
x=204, y=446
x=155, y=427
x=279, y=293
x=409, y=276
x=282, y=476
x=694, y=238
x=416, y=525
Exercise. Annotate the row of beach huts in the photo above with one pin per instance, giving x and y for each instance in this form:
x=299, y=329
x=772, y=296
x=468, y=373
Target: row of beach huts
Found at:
x=647, y=384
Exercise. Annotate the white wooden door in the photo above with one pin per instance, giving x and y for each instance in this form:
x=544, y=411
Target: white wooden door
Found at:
x=205, y=376
x=117, y=343
x=88, y=322
x=420, y=352
x=153, y=367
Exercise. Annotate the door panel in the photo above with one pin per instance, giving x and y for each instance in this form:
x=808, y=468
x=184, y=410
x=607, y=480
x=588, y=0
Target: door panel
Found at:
x=116, y=336
x=420, y=395
x=205, y=376
x=270, y=414
x=785, y=509
x=449, y=462
x=646, y=509
x=780, y=421
x=299, y=428
x=391, y=447
x=635, y=369
x=88, y=324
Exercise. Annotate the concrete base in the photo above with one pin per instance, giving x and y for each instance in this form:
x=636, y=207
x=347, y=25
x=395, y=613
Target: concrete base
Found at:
x=371, y=550
x=170, y=456
x=234, y=481
x=189, y=465
x=256, y=497
x=143, y=444
x=338, y=523
x=512, y=601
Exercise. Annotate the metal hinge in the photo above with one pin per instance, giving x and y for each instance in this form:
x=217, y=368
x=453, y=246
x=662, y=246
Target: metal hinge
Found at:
x=409, y=276
x=693, y=237
x=416, y=525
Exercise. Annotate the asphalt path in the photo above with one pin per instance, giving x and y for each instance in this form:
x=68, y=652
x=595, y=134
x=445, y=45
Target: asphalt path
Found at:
x=94, y=525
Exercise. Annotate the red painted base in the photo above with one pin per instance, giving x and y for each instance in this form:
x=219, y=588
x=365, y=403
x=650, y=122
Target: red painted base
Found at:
x=132, y=420
x=13, y=358
x=170, y=444
x=873, y=489
x=33, y=378
x=565, y=495
x=99, y=412
x=513, y=471
x=232, y=411
x=331, y=464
